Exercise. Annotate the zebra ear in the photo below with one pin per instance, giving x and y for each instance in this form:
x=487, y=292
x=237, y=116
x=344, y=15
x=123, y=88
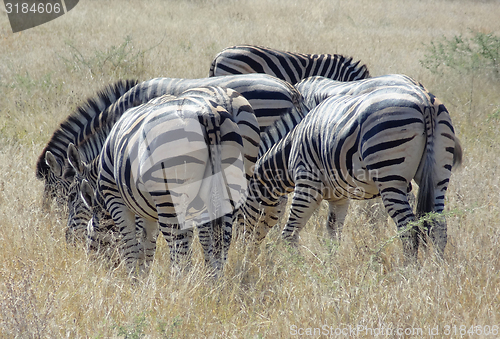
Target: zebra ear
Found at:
x=53, y=164
x=87, y=193
x=74, y=158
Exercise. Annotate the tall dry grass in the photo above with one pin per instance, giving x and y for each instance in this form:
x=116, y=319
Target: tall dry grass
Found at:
x=51, y=289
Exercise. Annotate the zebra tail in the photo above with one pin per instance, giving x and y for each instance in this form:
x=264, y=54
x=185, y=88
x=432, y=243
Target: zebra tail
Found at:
x=212, y=67
x=216, y=159
x=425, y=197
x=457, y=153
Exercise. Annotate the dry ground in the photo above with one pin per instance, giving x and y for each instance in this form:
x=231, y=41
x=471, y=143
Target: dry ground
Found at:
x=51, y=290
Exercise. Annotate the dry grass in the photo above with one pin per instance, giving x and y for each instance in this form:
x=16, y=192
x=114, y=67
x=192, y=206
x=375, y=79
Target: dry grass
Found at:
x=50, y=289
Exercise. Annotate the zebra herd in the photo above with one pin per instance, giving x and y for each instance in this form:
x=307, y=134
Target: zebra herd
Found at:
x=170, y=155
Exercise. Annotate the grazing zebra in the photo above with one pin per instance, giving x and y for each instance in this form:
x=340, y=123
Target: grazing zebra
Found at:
x=359, y=147
x=317, y=88
x=79, y=215
x=291, y=67
x=52, y=166
x=172, y=160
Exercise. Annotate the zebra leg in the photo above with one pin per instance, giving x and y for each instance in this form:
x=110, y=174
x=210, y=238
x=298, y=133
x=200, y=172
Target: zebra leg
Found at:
x=438, y=234
x=336, y=218
x=227, y=224
x=148, y=233
x=125, y=221
x=397, y=206
x=223, y=228
x=215, y=239
x=179, y=242
x=306, y=199
x=205, y=235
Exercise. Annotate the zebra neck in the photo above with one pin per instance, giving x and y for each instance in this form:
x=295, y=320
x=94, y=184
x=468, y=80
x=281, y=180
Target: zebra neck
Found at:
x=94, y=171
x=272, y=173
x=278, y=131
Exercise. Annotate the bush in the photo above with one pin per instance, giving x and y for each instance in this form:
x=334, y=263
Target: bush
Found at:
x=117, y=61
x=465, y=54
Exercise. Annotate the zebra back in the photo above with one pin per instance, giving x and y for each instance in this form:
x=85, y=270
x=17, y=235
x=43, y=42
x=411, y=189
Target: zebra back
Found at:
x=269, y=97
x=317, y=88
x=291, y=67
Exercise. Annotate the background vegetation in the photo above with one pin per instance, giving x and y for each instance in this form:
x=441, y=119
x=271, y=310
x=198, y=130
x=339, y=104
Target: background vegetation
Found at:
x=51, y=289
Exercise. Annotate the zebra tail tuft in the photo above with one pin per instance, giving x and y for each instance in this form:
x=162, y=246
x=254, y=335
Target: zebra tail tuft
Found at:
x=425, y=198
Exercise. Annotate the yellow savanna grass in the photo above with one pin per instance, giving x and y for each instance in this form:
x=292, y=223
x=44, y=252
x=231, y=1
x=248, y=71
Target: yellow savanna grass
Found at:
x=51, y=289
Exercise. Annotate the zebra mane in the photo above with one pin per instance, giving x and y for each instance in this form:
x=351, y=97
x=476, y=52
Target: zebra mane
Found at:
x=351, y=70
x=78, y=125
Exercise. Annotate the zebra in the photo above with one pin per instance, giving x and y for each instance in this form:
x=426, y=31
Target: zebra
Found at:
x=130, y=183
x=291, y=67
x=316, y=89
x=359, y=147
x=79, y=215
x=52, y=166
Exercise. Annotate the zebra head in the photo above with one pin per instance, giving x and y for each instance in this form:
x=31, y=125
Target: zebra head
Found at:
x=261, y=212
x=79, y=213
x=58, y=178
x=103, y=238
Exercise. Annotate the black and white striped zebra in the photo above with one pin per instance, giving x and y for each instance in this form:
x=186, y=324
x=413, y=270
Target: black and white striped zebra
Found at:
x=359, y=147
x=137, y=176
x=104, y=240
x=291, y=67
x=52, y=166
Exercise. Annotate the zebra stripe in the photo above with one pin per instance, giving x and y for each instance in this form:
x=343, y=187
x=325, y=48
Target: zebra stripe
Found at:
x=291, y=67
x=52, y=166
x=359, y=147
x=128, y=178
